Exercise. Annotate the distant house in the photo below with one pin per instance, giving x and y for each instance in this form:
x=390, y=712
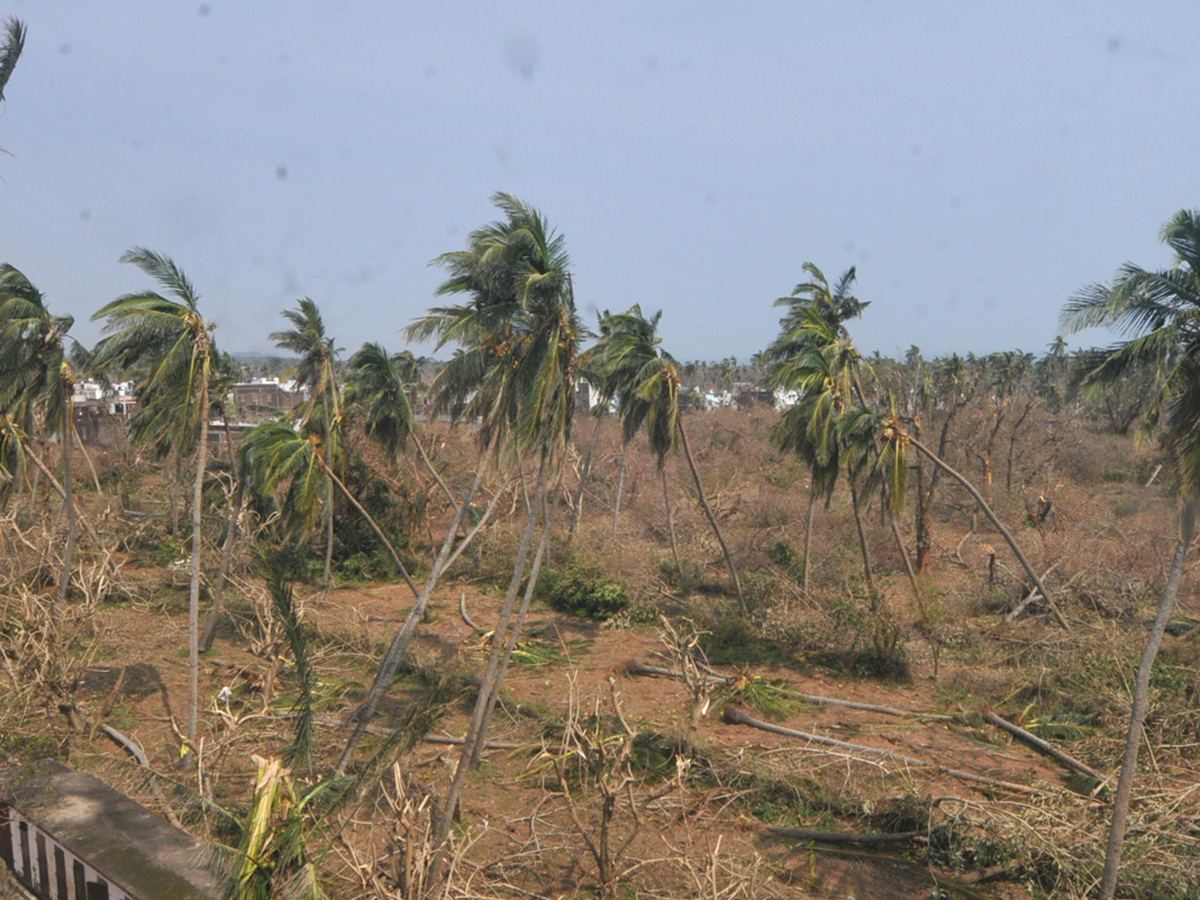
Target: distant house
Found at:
x=266, y=397
x=68, y=836
x=716, y=399
x=100, y=413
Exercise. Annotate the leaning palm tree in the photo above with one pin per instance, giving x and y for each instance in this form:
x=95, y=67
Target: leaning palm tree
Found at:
x=1160, y=311
x=647, y=380
x=813, y=357
x=37, y=381
x=315, y=371
x=813, y=360
x=168, y=338
x=518, y=336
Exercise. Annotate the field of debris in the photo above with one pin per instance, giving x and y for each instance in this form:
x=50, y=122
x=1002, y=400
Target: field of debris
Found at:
x=649, y=739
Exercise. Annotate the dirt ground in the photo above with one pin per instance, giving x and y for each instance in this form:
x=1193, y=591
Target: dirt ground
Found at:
x=1010, y=817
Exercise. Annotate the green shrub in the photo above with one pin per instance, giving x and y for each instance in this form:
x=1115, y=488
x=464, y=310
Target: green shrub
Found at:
x=586, y=593
x=787, y=558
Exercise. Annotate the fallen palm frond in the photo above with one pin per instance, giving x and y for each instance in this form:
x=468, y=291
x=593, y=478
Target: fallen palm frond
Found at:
x=771, y=697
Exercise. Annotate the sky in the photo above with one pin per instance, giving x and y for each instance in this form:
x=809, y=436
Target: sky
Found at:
x=977, y=162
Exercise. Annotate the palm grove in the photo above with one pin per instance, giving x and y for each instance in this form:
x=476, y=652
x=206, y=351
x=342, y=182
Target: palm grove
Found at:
x=352, y=473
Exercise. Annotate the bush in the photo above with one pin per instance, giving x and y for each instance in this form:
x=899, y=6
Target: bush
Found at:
x=586, y=593
x=788, y=558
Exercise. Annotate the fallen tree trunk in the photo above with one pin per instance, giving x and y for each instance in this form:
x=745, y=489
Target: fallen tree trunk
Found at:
x=1042, y=746
x=331, y=722
x=637, y=668
x=845, y=837
x=735, y=716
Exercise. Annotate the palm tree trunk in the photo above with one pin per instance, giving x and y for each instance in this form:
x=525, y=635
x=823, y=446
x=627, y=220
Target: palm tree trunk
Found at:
x=328, y=456
x=64, y=581
x=908, y=566
x=483, y=520
x=378, y=532
x=862, y=537
x=671, y=523
x=176, y=488
x=399, y=646
x=808, y=527
x=1137, y=715
x=499, y=635
x=62, y=493
x=620, y=485
x=432, y=470
x=577, y=510
x=925, y=497
x=218, y=592
x=987, y=511
x=924, y=521
x=514, y=634
x=194, y=586
x=712, y=519
x=87, y=457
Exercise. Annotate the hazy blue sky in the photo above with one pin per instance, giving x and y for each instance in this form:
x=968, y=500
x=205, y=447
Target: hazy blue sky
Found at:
x=978, y=162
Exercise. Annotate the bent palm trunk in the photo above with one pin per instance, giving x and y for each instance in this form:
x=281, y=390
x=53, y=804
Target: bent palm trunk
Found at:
x=514, y=635
x=577, y=511
x=712, y=519
x=987, y=511
x=194, y=585
x=477, y=725
x=64, y=581
x=1137, y=715
x=862, y=537
x=399, y=646
x=620, y=485
x=671, y=524
x=214, y=613
x=808, y=527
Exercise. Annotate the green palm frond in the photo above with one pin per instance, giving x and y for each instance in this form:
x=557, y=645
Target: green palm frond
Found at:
x=10, y=50
x=518, y=332
x=12, y=457
x=318, y=355
x=632, y=367
x=1159, y=313
x=377, y=388
x=279, y=459
x=36, y=375
x=168, y=344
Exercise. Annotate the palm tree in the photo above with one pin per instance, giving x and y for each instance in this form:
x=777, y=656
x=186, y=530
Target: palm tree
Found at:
x=646, y=382
x=169, y=337
x=600, y=394
x=307, y=339
x=814, y=357
x=37, y=379
x=518, y=336
x=1160, y=310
